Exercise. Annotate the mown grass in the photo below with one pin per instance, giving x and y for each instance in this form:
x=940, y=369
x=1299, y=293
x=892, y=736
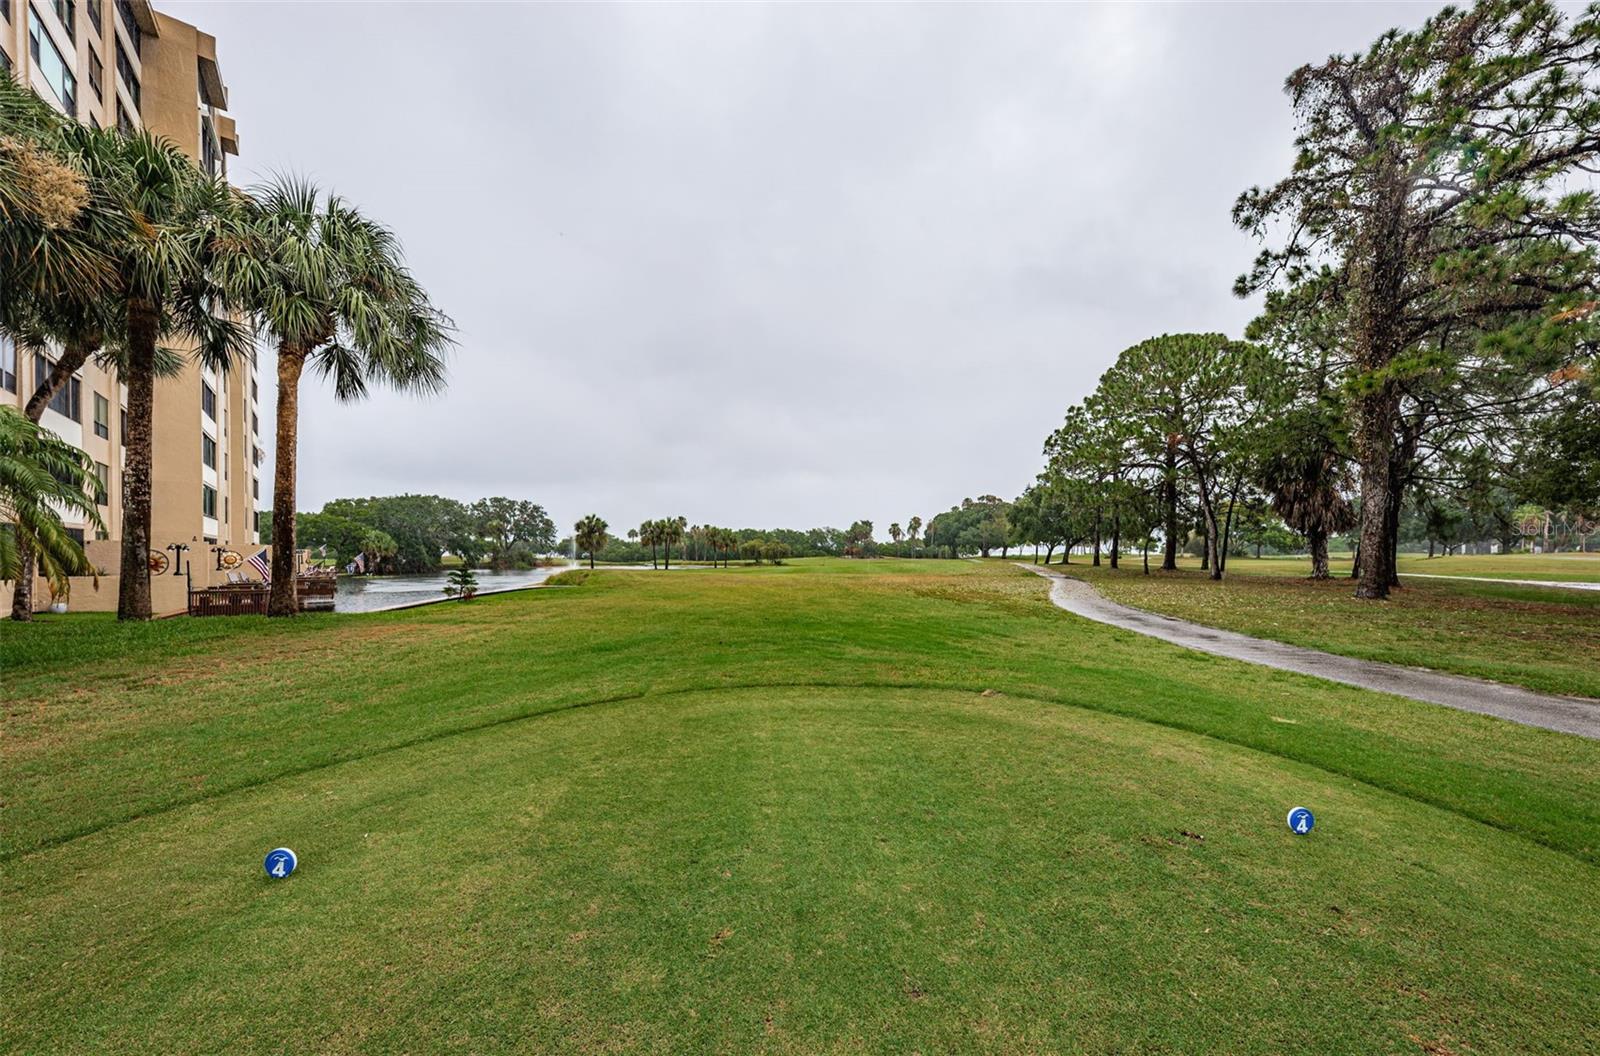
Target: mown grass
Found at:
x=1539, y=637
x=827, y=807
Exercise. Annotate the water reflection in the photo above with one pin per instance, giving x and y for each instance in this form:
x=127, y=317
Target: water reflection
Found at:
x=375, y=593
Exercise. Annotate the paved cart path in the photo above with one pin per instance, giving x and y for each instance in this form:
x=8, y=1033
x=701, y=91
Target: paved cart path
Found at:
x=1563, y=714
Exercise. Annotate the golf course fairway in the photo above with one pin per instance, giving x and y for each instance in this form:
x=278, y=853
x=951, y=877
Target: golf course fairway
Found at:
x=832, y=806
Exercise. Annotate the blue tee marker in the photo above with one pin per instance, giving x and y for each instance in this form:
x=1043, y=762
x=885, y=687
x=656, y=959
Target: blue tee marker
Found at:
x=280, y=863
x=1301, y=821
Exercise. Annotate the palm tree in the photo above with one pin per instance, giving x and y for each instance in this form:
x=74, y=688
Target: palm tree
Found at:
x=671, y=532
x=330, y=289
x=53, y=261
x=377, y=546
x=165, y=289
x=649, y=532
x=913, y=526
x=896, y=534
x=41, y=475
x=56, y=222
x=590, y=534
x=1306, y=472
x=1308, y=489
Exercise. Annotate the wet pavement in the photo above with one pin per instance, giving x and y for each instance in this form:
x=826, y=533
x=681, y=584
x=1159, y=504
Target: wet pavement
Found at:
x=1574, y=715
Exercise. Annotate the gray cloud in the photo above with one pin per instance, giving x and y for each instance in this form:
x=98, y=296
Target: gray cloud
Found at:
x=769, y=265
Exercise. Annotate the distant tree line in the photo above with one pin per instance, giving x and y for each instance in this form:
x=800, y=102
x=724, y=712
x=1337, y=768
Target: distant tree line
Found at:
x=413, y=533
x=661, y=540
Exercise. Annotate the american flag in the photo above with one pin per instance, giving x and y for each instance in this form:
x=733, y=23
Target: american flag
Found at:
x=258, y=561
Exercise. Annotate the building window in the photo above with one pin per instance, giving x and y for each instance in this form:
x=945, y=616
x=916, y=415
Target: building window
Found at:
x=255, y=390
x=208, y=451
x=122, y=416
x=102, y=484
x=96, y=75
x=68, y=400
x=66, y=10
x=208, y=401
x=8, y=364
x=51, y=66
x=5, y=12
x=102, y=417
x=130, y=23
x=208, y=147
x=208, y=500
x=130, y=79
x=255, y=488
x=225, y=509
x=124, y=122
x=76, y=535
x=255, y=422
x=94, y=17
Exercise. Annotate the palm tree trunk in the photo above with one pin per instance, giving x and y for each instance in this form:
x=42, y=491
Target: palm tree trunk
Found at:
x=133, y=593
x=282, y=601
x=22, y=594
x=1319, y=554
x=74, y=356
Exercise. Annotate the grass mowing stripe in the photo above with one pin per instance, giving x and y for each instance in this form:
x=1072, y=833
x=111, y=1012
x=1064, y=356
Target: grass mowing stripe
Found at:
x=126, y=736
x=806, y=871
x=649, y=695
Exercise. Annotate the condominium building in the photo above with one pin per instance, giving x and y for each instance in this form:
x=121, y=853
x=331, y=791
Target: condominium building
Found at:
x=122, y=63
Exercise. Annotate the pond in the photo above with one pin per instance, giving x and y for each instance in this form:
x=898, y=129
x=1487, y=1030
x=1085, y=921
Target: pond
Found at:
x=375, y=593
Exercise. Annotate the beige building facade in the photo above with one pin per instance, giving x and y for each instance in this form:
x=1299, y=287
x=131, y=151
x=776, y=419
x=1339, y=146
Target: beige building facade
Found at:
x=119, y=63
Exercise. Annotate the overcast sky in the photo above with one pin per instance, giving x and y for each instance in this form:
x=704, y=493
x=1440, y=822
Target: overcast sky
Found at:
x=769, y=266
